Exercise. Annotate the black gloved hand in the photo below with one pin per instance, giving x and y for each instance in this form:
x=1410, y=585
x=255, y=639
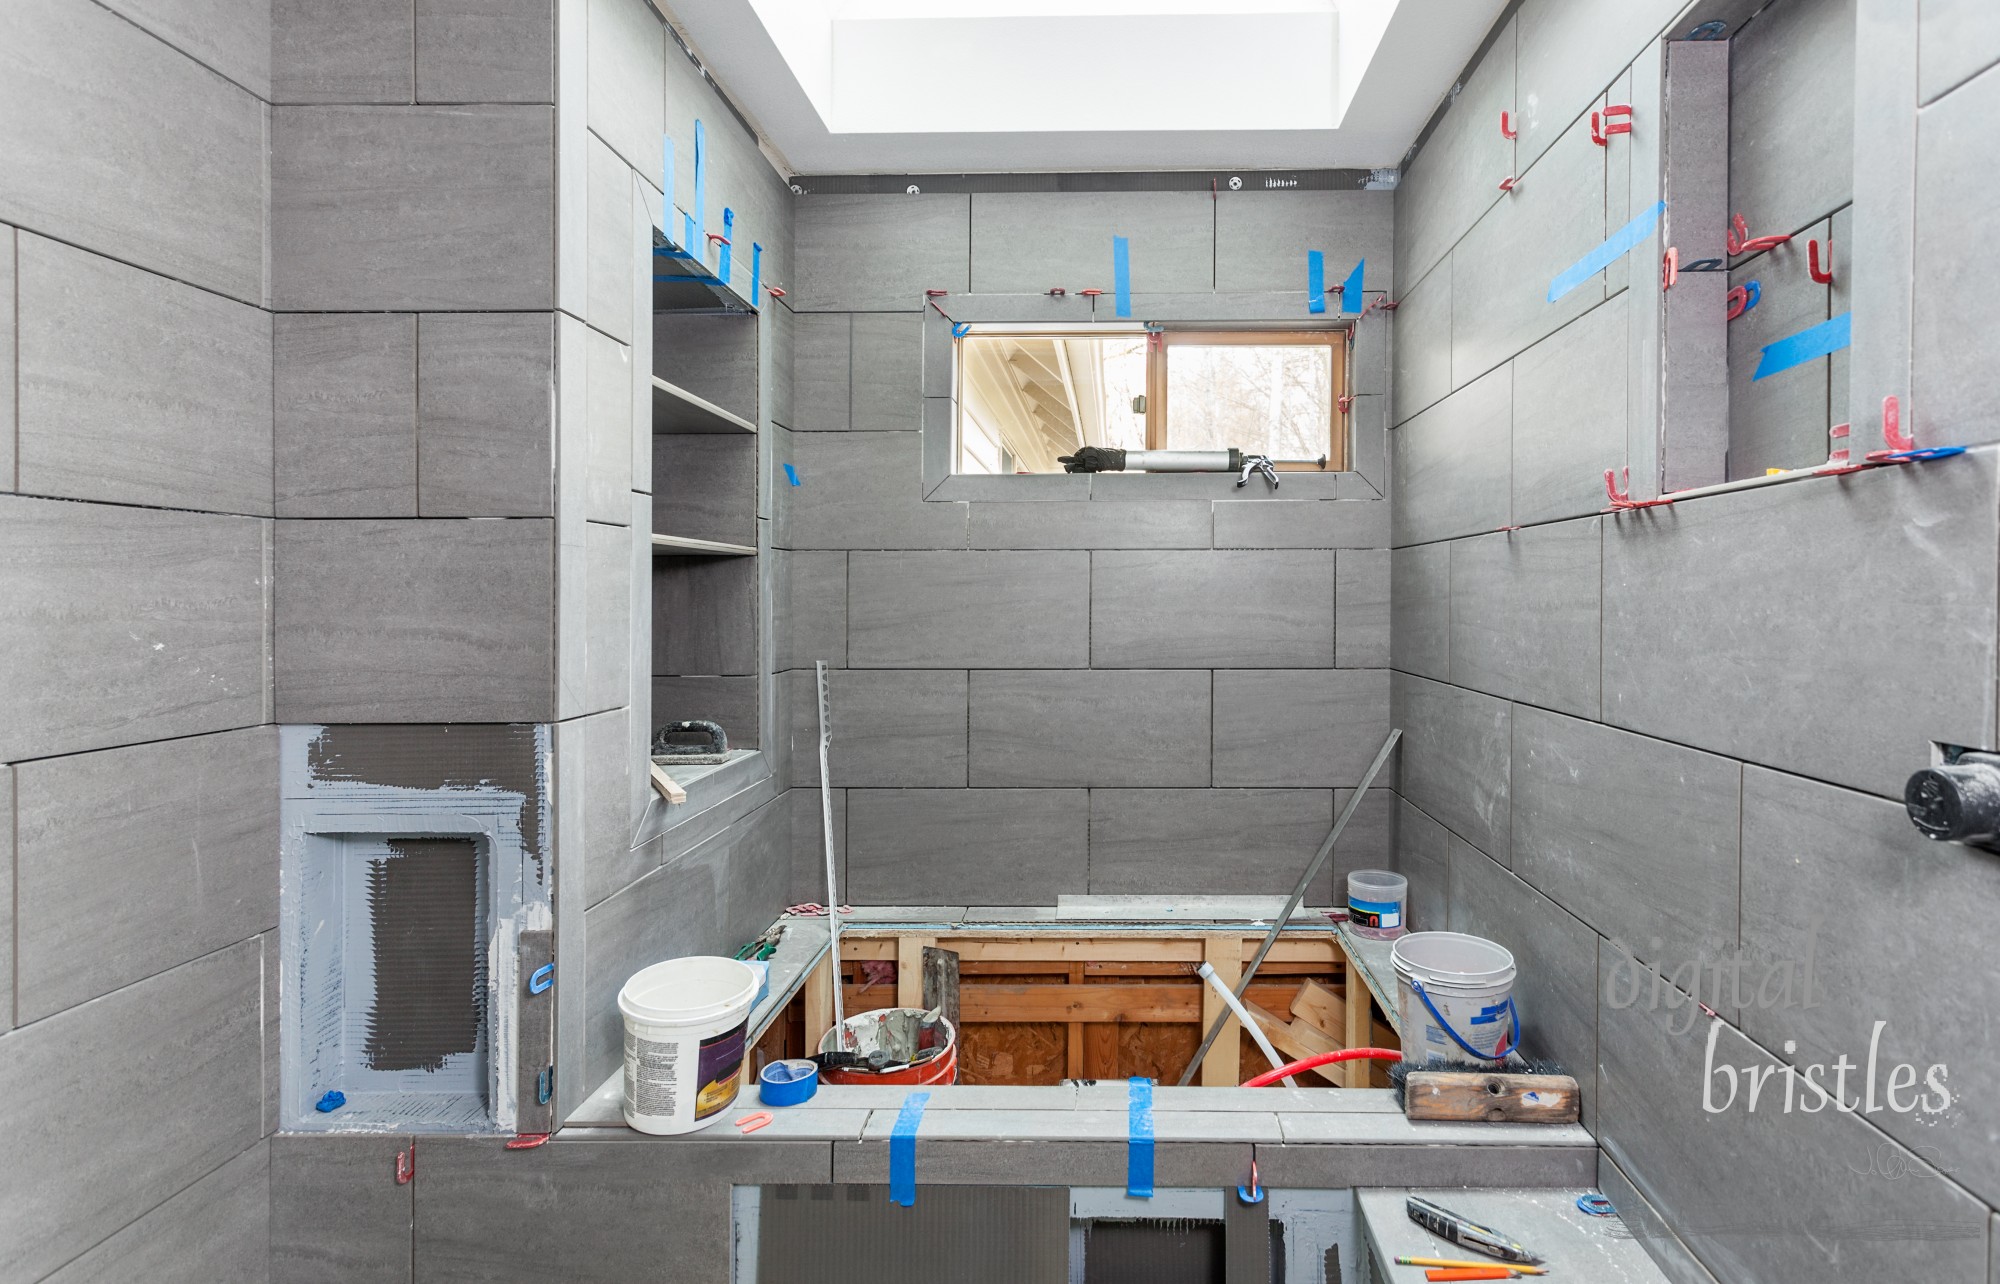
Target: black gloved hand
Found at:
x=1093, y=459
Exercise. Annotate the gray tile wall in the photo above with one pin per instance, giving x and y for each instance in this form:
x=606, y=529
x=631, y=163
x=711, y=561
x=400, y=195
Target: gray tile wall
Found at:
x=1059, y=684
x=138, y=789
x=1657, y=753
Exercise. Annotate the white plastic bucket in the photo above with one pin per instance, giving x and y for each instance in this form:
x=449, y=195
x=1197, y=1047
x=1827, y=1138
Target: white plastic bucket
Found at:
x=1375, y=900
x=1469, y=980
x=684, y=1023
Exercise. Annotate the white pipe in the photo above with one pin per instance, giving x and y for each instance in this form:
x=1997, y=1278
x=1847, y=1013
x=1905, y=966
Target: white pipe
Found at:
x=832, y=891
x=1207, y=974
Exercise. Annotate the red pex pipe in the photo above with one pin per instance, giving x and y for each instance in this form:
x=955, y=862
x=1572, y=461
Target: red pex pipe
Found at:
x=1270, y=1077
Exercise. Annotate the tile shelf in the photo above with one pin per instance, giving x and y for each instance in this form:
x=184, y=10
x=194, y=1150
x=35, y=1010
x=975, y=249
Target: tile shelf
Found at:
x=683, y=546
x=677, y=410
x=683, y=283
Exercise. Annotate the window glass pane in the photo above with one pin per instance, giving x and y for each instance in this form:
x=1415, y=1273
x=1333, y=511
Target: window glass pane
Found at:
x=1027, y=399
x=1264, y=399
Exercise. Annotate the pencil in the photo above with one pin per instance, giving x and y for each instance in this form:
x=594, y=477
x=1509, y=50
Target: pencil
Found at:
x=1437, y=1273
x=1467, y=1264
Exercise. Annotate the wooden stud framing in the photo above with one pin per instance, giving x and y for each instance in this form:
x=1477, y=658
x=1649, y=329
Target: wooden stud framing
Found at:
x=1359, y=1005
x=910, y=970
x=819, y=1003
x=1221, y=1067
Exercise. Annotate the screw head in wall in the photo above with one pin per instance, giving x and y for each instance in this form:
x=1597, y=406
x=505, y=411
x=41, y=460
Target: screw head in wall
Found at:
x=1235, y=183
x=913, y=190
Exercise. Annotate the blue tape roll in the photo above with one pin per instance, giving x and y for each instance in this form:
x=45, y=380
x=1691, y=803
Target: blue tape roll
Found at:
x=1139, y=1139
x=1620, y=243
x=1350, y=289
x=1315, y=281
x=903, y=1150
x=1807, y=345
x=787, y=1083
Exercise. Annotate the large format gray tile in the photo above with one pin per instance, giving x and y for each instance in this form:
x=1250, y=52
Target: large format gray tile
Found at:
x=1570, y=416
x=1791, y=116
x=1187, y=841
x=1242, y=608
x=1270, y=522
x=344, y=401
x=1570, y=50
x=114, y=884
x=1719, y=605
x=1806, y=1194
x=173, y=1067
x=858, y=253
x=137, y=389
x=1454, y=758
x=987, y=846
x=1456, y=177
x=1361, y=609
x=1956, y=299
x=230, y=37
x=219, y=1228
x=118, y=143
x=7, y=915
x=608, y=591
x=485, y=51
x=822, y=361
x=424, y=621
x=1449, y=466
x=731, y=701
x=601, y=853
x=1957, y=39
x=1422, y=855
x=1879, y=993
x=1299, y=727
x=1501, y=271
x=968, y=610
x=357, y=53
x=337, y=1213
x=1134, y=727
x=860, y=490
x=890, y=728
x=808, y=871
x=8, y=341
x=1555, y=985
x=612, y=246
x=705, y=615
x=592, y=1211
x=809, y=609
x=1030, y=242
x=1636, y=837
x=1422, y=369
x=125, y=624
x=703, y=485
x=1779, y=421
x=608, y=433
x=626, y=48
x=1420, y=609
x=486, y=414
x=1524, y=614
x=1261, y=239
x=450, y=208
x=1034, y=522
x=886, y=373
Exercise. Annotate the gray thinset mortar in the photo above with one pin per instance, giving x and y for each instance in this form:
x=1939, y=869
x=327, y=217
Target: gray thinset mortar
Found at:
x=352, y=796
x=430, y=983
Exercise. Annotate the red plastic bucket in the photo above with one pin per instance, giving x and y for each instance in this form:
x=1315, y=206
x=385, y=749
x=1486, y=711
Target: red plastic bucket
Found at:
x=942, y=1068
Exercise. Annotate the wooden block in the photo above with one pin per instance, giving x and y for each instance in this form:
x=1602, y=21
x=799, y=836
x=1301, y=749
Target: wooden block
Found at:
x=910, y=970
x=1320, y=1008
x=666, y=786
x=1299, y=1041
x=1477, y=1097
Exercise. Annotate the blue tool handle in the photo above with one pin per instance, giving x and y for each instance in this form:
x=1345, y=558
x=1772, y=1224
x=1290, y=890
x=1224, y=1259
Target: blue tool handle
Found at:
x=542, y=979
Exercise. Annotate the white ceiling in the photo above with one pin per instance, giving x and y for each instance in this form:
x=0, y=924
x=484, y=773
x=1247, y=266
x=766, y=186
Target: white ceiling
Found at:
x=943, y=86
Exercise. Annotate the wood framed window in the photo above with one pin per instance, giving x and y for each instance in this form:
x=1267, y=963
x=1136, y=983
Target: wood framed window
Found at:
x=1266, y=392
x=1028, y=397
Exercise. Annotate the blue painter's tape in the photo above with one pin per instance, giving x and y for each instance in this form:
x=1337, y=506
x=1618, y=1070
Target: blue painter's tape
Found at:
x=903, y=1150
x=756, y=275
x=1315, y=281
x=695, y=225
x=1621, y=243
x=1806, y=345
x=1139, y=1139
x=728, y=235
x=1350, y=289
x=959, y=329
x=1121, y=274
x=792, y=474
